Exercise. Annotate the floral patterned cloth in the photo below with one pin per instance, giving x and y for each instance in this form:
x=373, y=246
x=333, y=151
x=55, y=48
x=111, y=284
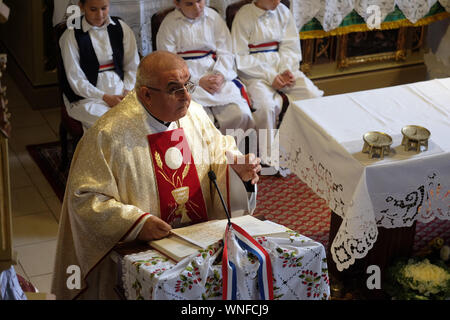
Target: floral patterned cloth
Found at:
x=298, y=265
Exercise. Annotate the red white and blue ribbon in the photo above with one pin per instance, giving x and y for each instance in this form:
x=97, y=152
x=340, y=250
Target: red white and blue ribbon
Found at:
x=264, y=47
x=229, y=272
x=106, y=67
x=244, y=94
x=196, y=54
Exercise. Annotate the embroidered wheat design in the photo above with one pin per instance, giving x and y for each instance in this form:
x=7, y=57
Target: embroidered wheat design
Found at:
x=158, y=160
x=185, y=172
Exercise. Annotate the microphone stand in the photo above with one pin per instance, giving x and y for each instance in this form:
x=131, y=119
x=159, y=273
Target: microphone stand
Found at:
x=213, y=178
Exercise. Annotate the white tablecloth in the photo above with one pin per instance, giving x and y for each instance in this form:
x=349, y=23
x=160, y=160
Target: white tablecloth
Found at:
x=321, y=142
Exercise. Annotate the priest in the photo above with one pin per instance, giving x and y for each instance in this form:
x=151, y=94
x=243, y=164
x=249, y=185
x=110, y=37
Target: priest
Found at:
x=141, y=170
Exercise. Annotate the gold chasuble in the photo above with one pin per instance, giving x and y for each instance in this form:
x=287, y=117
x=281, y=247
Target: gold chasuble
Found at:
x=125, y=168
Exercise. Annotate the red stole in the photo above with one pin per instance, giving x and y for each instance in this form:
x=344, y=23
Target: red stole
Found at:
x=181, y=199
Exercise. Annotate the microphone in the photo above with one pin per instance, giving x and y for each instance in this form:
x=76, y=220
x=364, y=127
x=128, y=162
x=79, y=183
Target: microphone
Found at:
x=212, y=177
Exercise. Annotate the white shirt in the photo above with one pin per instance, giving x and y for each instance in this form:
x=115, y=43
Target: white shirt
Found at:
x=253, y=25
x=178, y=33
x=108, y=82
x=206, y=33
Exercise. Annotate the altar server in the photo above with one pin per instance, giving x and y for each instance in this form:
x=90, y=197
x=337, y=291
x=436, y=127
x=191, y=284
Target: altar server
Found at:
x=199, y=35
x=267, y=48
x=100, y=62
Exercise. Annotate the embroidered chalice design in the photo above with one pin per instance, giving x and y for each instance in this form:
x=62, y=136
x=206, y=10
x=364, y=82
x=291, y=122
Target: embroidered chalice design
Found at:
x=174, y=160
x=181, y=196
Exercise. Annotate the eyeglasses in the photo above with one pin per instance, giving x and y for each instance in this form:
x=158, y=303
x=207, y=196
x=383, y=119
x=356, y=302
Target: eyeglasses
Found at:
x=178, y=92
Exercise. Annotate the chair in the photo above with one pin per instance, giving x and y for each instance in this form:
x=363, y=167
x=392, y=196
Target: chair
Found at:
x=68, y=125
x=230, y=13
x=156, y=21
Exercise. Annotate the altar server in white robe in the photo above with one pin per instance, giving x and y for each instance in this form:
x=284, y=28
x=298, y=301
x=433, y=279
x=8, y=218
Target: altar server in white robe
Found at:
x=200, y=36
x=100, y=62
x=267, y=48
x=141, y=170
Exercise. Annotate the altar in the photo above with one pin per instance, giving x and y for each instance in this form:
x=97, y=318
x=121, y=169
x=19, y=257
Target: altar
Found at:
x=322, y=143
x=298, y=271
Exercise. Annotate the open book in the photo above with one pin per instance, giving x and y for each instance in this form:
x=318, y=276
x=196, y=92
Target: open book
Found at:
x=186, y=241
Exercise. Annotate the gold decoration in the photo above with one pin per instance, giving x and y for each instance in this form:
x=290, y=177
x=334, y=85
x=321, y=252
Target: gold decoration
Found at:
x=181, y=196
x=398, y=55
x=376, y=143
x=158, y=160
x=414, y=137
x=313, y=34
x=185, y=171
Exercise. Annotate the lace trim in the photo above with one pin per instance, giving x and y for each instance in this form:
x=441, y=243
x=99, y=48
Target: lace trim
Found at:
x=430, y=200
x=315, y=174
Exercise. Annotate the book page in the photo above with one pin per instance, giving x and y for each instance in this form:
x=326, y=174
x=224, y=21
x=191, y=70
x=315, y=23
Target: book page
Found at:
x=207, y=233
x=202, y=234
x=174, y=247
x=256, y=227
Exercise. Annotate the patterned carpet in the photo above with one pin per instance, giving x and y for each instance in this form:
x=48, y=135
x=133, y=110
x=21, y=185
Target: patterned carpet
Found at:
x=290, y=202
x=287, y=201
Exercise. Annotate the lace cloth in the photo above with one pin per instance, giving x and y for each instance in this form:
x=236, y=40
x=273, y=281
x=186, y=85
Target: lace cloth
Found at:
x=298, y=266
x=330, y=13
x=321, y=143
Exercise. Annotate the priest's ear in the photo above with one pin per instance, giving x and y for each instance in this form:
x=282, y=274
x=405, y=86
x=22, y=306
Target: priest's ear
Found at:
x=144, y=94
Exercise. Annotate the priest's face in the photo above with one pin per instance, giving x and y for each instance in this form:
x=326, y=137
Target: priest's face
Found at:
x=191, y=9
x=172, y=100
x=95, y=11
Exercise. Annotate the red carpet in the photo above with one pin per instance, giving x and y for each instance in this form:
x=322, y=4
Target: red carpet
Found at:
x=290, y=202
x=287, y=201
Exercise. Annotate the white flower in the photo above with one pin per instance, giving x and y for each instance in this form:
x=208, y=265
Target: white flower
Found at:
x=425, y=277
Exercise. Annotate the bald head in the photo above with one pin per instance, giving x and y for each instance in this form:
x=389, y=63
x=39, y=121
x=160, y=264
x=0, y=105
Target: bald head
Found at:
x=153, y=65
x=159, y=76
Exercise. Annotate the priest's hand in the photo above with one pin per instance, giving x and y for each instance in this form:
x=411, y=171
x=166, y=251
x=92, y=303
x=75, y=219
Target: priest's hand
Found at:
x=247, y=167
x=154, y=228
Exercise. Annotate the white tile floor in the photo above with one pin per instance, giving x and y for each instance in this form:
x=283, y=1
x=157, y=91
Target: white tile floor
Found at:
x=35, y=207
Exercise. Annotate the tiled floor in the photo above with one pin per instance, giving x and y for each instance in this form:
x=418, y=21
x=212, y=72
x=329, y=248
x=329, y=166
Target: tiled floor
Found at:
x=35, y=207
